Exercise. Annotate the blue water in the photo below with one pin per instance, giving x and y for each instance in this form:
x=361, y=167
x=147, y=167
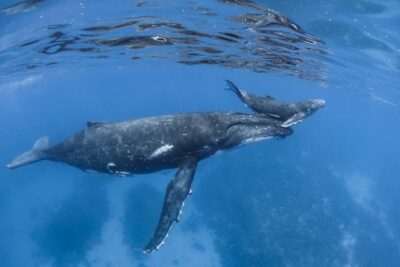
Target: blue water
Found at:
x=325, y=196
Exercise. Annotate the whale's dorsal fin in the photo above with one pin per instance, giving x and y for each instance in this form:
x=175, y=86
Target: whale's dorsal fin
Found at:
x=90, y=124
x=177, y=191
x=269, y=97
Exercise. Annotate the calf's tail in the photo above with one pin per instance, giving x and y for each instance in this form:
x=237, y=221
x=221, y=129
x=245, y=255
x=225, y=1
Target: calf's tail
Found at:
x=232, y=87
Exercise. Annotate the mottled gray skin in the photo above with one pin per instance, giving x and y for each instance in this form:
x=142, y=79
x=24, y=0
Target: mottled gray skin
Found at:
x=131, y=146
x=154, y=144
x=288, y=113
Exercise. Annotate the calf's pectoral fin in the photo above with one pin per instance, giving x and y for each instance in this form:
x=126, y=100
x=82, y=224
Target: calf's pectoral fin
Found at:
x=296, y=118
x=177, y=191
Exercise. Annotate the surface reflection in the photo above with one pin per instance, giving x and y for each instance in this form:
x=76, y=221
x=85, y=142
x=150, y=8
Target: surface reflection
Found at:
x=261, y=41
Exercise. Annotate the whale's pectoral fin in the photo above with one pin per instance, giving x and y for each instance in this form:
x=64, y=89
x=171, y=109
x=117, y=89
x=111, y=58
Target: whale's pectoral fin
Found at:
x=177, y=191
x=296, y=118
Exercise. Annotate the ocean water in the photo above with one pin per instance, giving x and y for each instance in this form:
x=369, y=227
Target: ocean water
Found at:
x=326, y=196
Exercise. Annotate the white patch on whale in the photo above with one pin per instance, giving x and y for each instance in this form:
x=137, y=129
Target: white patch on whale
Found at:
x=289, y=123
x=274, y=115
x=159, y=38
x=244, y=94
x=122, y=173
x=110, y=165
x=255, y=139
x=161, y=150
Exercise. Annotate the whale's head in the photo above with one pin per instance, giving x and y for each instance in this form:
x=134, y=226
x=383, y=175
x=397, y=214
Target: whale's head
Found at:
x=310, y=106
x=303, y=110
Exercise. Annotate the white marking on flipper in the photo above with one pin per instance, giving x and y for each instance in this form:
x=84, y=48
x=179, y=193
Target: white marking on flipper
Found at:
x=255, y=139
x=161, y=150
x=296, y=118
x=288, y=124
x=274, y=115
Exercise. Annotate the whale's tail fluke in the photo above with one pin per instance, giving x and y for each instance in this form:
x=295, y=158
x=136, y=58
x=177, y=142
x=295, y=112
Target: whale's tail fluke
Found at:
x=35, y=154
x=232, y=87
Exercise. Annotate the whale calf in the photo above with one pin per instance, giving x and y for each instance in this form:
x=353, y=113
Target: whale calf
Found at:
x=287, y=113
x=153, y=144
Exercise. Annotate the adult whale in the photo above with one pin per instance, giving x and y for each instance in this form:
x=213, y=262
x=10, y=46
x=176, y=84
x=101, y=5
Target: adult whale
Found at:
x=287, y=113
x=153, y=144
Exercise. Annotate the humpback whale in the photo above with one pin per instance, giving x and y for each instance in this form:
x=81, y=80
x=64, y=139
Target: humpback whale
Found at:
x=287, y=113
x=153, y=144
